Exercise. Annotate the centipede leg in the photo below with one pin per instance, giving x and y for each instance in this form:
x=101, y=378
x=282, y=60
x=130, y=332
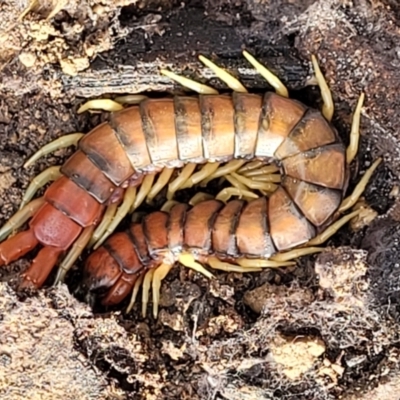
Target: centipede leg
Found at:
x=225, y=76
x=189, y=83
x=328, y=107
x=122, y=211
x=272, y=79
x=62, y=142
x=355, y=131
x=162, y=181
x=207, y=170
x=20, y=217
x=102, y=227
x=48, y=175
x=159, y=274
x=135, y=292
x=73, y=254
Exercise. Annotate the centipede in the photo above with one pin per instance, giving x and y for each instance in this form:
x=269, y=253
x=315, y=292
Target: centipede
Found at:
x=286, y=167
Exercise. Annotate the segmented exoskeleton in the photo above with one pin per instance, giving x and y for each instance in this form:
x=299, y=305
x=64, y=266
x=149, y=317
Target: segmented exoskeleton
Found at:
x=164, y=134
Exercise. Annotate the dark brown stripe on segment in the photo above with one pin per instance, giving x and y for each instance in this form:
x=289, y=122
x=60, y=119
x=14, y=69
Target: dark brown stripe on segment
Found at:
x=155, y=232
x=138, y=239
x=324, y=166
x=175, y=227
x=289, y=227
x=105, y=151
x=127, y=125
x=217, y=127
x=158, y=121
x=311, y=132
x=121, y=249
x=224, y=230
x=86, y=175
x=199, y=224
x=247, y=117
x=188, y=128
x=278, y=117
x=252, y=232
x=317, y=203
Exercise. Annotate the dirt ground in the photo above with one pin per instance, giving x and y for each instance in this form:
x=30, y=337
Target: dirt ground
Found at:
x=327, y=329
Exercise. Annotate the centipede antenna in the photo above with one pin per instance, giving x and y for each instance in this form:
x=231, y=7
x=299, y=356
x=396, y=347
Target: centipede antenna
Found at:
x=225, y=76
x=188, y=261
x=296, y=253
x=271, y=78
x=349, y=202
x=102, y=227
x=189, y=83
x=159, y=274
x=20, y=217
x=74, y=253
x=162, y=181
x=131, y=99
x=231, y=166
x=60, y=143
x=135, y=292
x=144, y=190
x=122, y=211
x=207, y=170
x=328, y=107
x=146, y=290
x=100, y=104
x=261, y=263
x=213, y=262
x=355, y=131
x=332, y=229
x=184, y=175
x=48, y=175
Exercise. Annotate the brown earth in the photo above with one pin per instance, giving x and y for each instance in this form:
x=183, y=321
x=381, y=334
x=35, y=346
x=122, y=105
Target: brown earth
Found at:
x=325, y=330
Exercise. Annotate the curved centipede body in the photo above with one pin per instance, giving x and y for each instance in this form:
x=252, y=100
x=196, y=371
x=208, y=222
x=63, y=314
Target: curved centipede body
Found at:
x=170, y=133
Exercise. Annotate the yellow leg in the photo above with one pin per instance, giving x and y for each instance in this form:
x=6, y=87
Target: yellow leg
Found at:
x=135, y=292
x=296, y=253
x=100, y=104
x=146, y=290
x=207, y=170
x=226, y=77
x=122, y=211
x=231, y=166
x=328, y=107
x=213, y=262
x=159, y=274
x=162, y=181
x=188, y=261
x=144, y=190
x=190, y=84
x=332, y=229
x=349, y=202
x=260, y=263
x=20, y=217
x=272, y=79
x=48, y=175
x=131, y=99
x=355, y=131
x=200, y=197
x=225, y=194
x=73, y=254
x=184, y=175
x=107, y=218
x=60, y=143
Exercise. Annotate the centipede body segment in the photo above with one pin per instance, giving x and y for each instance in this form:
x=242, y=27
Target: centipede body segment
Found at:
x=160, y=135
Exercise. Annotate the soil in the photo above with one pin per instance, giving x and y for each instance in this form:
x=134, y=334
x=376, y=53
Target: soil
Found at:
x=327, y=329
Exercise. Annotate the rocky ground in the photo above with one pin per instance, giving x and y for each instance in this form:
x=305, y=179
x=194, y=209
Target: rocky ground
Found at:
x=327, y=329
